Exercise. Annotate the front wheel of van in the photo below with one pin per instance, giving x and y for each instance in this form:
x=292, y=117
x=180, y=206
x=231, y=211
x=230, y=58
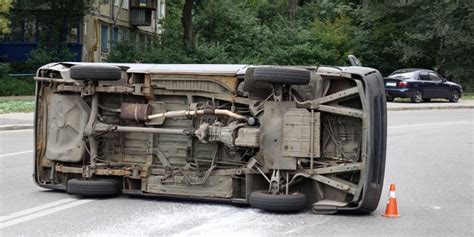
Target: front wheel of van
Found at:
x=277, y=202
x=92, y=187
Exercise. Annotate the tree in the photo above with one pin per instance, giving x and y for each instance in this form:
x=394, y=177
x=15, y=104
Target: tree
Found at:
x=395, y=35
x=51, y=18
x=4, y=21
x=187, y=21
x=292, y=8
x=386, y=35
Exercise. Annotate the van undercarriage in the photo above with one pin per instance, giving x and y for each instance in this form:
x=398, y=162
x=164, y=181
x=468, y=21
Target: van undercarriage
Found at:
x=277, y=138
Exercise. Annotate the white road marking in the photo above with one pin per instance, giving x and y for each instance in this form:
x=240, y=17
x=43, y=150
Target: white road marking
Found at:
x=16, y=153
x=35, y=209
x=44, y=213
x=429, y=124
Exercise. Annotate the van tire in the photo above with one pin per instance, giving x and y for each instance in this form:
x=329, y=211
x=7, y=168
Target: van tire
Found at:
x=96, y=72
x=256, y=90
x=261, y=199
x=92, y=187
x=282, y=75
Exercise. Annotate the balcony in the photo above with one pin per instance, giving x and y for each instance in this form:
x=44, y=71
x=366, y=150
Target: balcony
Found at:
x=143, y=4
x=140, y=17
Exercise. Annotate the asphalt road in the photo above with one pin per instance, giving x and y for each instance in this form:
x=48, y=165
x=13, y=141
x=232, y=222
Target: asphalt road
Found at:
x=430, y=158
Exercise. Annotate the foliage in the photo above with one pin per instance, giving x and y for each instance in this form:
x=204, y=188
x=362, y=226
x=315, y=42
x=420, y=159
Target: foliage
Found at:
x=51, y=50
x=4, y=69
x=4, y=21
x=415, y=34
x=51, y=17
x=386, y=35
x=16, y=86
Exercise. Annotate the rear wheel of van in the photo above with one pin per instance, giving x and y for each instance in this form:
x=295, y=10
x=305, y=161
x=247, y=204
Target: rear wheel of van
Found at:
x=96, y=72
x=390, y=98
x=277, y=203
x=92, y=187
x=282, y=75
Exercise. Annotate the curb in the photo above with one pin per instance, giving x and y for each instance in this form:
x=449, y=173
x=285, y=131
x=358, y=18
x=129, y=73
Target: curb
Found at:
x=431, y=108
x=15, y=127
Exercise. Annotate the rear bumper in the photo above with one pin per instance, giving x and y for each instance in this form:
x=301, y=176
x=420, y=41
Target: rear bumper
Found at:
x=399, y=92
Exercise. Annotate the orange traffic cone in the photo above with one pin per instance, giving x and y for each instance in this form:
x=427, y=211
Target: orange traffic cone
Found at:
x=392, y=209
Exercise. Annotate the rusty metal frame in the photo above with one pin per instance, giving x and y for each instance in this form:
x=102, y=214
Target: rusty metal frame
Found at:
x=345, y=94
x=335, y=183
x=341, y=110
x=341, y=168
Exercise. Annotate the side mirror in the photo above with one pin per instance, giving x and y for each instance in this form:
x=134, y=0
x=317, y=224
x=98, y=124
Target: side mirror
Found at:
x=444, y=79
x=354, y=61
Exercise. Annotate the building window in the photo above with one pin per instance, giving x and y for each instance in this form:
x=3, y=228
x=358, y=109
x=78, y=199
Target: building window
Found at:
x=16, y=34
x=122, y=34
x=161, y=10
x=104, y=38
x=73, y=33
x=115, y=36
x=30, y=31
x=125, y=4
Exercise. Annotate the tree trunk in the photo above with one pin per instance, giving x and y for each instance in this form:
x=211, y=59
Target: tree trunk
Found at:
x=292, y=6
x=365, y=3
x=187, y=20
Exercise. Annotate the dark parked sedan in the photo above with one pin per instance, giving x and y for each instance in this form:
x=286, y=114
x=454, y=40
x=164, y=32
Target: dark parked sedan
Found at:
x=420, y=85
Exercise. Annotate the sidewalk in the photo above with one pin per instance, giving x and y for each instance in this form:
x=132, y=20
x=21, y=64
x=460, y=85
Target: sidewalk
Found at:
x=16, y=121
x=399, y=105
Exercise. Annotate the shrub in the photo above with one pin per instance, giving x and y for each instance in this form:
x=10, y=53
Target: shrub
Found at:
x=16, y=86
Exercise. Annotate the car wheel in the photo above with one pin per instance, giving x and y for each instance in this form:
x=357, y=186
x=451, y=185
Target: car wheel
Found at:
x=96, y=72
x=390, y=98
x=277, y=203
x=417, y=97
x=454, y=96
x=282, y=75
x=92, y=187
x=426, y=100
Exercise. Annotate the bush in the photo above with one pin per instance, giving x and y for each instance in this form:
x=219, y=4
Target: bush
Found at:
x=4, y=69
x=16, y=86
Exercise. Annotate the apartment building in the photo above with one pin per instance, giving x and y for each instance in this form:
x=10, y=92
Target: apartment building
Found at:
x=112, y=21
x=92, y=37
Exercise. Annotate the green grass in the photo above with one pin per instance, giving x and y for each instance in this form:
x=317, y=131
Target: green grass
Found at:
x=16, y=106
x=468, y=96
